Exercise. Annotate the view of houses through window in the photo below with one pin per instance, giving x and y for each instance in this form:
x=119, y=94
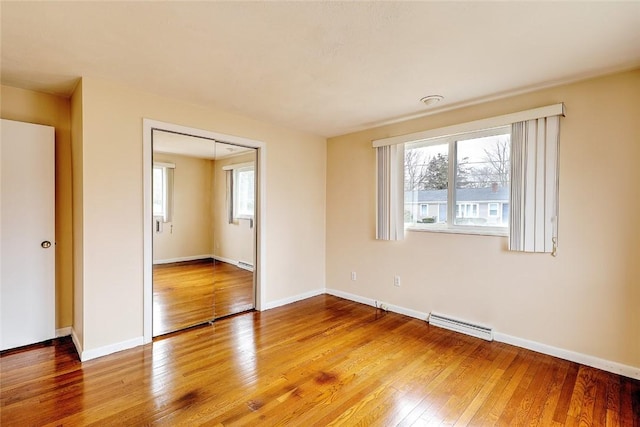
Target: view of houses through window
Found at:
x=479, y=180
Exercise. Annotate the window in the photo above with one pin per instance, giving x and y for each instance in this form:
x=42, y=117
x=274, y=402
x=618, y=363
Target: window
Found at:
x=162, y=190
x=243, y=192
x=480, y=158
x=475, y=184
x=493, y=210
x=466, y=210
x=240, y=179
x=426, y=178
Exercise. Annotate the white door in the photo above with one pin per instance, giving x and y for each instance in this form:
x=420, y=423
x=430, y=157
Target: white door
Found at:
x=27, y=233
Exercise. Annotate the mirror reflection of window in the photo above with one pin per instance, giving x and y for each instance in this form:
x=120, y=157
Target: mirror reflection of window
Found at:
x=162, y=189
x=244, y=192
x=158, y=191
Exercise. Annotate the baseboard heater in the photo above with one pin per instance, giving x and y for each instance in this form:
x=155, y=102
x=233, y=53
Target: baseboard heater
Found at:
x=461, y=326
x=245, y=265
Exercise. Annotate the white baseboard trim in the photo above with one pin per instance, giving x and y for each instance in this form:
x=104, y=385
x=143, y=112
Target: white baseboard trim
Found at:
x=63, y=332
x=227, y=260
x=351, y=297
x=295, y=298
x=572, y=356
x=369, y=301
x=182, y=259
x=105, y=350
x=245, y=265
x=111, y=348
x=76, y=343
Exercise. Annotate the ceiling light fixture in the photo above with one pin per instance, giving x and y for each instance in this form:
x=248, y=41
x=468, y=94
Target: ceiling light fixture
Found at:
x=431, y=100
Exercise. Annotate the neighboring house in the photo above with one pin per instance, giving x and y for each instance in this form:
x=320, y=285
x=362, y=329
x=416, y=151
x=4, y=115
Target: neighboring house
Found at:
x=475, y=206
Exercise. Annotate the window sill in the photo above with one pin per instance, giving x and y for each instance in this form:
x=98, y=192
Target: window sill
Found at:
x=477, y=231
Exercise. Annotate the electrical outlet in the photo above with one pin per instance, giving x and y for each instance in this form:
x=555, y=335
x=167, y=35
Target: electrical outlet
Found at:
x=396, y=281
x=353, y=275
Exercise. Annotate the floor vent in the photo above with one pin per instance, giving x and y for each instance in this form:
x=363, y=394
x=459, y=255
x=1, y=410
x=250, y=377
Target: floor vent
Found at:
x=461, y=326
x=245, y=265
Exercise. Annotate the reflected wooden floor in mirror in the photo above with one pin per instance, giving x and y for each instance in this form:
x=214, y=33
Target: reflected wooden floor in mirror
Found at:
x=194, y=292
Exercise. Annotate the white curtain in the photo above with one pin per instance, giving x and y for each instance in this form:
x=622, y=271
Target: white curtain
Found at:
x=390, y=192
x=229, y=174
x=534, y=185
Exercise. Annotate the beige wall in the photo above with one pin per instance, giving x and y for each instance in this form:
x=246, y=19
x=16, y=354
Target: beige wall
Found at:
x=586, y=300
x=233, y=241
x=188, y=232
x=35, y=107
x=112, y=194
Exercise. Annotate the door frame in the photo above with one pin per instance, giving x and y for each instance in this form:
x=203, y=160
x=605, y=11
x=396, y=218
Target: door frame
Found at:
x=148, y=125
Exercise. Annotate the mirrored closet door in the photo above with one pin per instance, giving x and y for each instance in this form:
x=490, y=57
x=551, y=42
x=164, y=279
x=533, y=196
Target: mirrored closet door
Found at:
x=204, y=231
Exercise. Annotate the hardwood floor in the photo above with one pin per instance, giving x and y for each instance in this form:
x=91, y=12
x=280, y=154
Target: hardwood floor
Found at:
x=322, y=361
x=193, y=292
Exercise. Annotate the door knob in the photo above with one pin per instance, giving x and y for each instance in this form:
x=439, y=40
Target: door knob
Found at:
x=46, y=244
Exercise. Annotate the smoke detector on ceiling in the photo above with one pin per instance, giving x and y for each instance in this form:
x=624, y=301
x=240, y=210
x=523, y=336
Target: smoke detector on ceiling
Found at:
x=431, y=100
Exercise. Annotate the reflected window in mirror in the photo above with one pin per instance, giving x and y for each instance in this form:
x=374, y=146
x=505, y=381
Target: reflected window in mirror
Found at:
x=162, y=191
x=244, y=192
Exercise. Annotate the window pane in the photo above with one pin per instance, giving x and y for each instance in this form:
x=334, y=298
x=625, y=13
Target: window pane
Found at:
x=244, y=192
x=158, y=191
x=482, y=181
x=425, y=184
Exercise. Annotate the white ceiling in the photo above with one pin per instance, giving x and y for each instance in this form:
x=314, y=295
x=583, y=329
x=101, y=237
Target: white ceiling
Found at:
x=324, y=67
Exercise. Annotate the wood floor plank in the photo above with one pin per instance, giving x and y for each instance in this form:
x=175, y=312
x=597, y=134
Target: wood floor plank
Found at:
x=564, y=401
x=491, y=410
x=600, y=399
x=451, y=364
x=629, y=402
x=612, y=416
x=547, y=398
x=480, y=398
x=589, y=383
x=318, y=362
x=521, y=396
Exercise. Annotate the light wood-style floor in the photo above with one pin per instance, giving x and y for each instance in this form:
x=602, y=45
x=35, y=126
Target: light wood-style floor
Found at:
x=322, y=361
x=193, y=292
